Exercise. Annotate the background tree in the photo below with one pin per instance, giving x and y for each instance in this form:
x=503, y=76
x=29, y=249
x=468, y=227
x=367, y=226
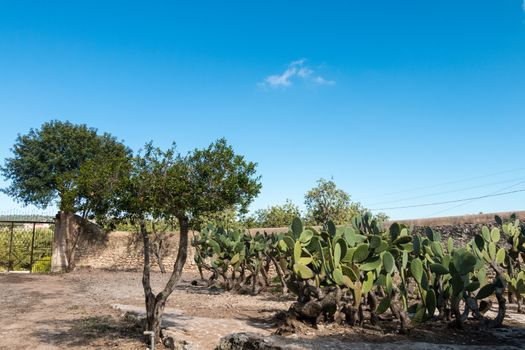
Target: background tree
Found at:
x=326, y=202
x=71, y=166
x=381, y=216
x=184, y=188
x=228, y=218
x=277, y=215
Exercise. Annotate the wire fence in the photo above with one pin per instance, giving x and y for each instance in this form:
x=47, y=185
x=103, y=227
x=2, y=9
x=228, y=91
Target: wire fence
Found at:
x=26, y=240
x=25, y=216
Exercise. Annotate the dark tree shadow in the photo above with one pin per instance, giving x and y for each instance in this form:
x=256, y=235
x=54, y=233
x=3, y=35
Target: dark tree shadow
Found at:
x=100, y=331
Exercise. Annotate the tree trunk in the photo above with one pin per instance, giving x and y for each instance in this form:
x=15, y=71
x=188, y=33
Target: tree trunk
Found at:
x=69, y=229
x=146, y=282
x=76, y=231
x=158, y=248
x=62, y=242
x=155, y=304
x=159, y=254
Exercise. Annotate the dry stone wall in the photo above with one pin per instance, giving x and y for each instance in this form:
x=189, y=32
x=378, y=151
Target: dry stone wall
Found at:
x=460, y=233
x=123, y=251
x=461, y=228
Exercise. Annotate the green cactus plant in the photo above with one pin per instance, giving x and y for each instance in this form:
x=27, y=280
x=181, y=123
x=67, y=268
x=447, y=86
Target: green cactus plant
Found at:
x=354, y=274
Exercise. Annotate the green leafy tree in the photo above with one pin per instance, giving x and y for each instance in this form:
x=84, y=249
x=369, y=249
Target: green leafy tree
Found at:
x=71, y=166
x=381, y=216
x=227, y=218
x=327, y=202
x=166, y=185
x=248, y=221
x=277, y=215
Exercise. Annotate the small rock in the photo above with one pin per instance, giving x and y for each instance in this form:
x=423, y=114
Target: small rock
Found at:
x=246, y=341
x=172, y=344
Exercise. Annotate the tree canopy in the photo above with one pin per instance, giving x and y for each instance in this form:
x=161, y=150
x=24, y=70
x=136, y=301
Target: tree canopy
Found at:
x=211, y=180
x=327, y=202
x=67, y=164
x=277, y=215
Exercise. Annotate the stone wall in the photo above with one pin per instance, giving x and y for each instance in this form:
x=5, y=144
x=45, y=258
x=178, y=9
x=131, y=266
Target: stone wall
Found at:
x=463, y=219
x=460, y=233
x=123, y=251
x=461, y=228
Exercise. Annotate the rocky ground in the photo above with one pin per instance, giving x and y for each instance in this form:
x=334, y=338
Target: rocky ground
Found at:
x=85, y=310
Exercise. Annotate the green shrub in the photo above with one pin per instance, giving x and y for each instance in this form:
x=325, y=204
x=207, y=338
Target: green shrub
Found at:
x=21, y=246
x=42, y=265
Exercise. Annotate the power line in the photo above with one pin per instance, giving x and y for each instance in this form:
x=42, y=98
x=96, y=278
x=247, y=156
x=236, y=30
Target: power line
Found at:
x=447, y=183
x=452, y=201
x=445, y=192
x=467, y=202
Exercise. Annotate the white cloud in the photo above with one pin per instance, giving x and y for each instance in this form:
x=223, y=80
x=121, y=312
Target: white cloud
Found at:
x=296, y=71
x=281, y=80
x=322, y=81
x=298, y=62
x=304, y=72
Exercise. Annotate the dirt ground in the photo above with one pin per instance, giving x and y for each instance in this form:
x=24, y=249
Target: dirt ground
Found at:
x=84, y=310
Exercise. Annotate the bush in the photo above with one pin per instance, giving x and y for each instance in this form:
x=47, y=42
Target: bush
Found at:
x=42, y=265
x=21, y=246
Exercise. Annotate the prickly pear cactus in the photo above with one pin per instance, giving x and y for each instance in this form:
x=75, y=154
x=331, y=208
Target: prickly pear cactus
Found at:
x=355, y=273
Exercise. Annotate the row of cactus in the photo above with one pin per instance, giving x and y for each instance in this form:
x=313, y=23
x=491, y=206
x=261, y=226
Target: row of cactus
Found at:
x=418, y=277
x=235, y=258
x=355, y=274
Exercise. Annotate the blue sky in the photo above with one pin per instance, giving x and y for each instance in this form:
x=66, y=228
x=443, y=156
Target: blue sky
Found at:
x=393, y=100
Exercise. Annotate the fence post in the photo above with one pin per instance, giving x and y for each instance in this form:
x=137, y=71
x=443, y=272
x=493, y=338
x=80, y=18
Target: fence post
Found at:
x=10, y=263
x=32, y=248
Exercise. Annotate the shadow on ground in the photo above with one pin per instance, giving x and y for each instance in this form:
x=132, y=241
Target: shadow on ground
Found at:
x=91, y=331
